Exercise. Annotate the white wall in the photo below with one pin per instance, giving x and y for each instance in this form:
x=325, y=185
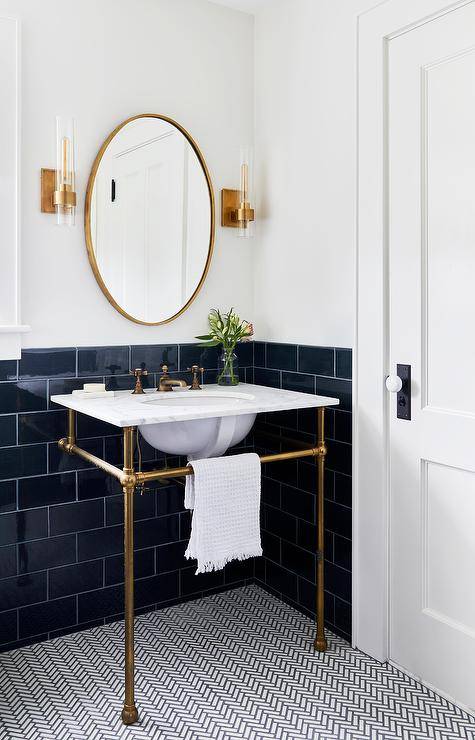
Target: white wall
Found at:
x=102, y=61
x=305, y=175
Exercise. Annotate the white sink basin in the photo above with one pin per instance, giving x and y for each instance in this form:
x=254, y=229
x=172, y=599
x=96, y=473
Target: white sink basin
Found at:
x=199, y=438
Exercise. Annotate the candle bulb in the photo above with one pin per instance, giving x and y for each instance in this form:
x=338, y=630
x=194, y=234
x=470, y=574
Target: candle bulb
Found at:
x=64, y=198
x=245, y=213
x=65, y=161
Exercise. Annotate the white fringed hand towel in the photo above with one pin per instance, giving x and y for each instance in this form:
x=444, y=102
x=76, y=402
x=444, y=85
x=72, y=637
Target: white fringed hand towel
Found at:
x=225, y=494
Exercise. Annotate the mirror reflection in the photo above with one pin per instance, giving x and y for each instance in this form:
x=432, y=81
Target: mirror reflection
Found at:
x=149, y=219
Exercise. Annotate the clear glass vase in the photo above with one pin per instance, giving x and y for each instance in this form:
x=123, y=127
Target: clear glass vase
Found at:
x=228, y=368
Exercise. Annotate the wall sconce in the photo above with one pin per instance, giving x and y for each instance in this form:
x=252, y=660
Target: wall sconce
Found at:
x=236, y=210
x=58, y=193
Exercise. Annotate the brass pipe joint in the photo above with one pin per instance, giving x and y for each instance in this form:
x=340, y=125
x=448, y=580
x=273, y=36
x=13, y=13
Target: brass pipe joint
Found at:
x=128, y=480
x=66, y=446
x=321, y=450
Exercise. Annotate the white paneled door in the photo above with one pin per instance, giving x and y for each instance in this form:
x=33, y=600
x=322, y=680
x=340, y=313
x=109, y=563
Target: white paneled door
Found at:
x=431, y=239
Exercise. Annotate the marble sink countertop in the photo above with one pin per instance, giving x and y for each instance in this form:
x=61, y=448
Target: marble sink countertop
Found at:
x=124, y=409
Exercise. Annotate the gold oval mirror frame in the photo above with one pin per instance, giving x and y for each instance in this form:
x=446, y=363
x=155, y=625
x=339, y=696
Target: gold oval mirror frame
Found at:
x=88, y=209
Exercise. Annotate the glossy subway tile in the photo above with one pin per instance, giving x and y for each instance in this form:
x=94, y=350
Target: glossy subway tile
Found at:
x=157, y=531
x=171, y=557
x=17, y=462
x=8, y=369
x=8, y=561
x=245, y=354
x=281, y=356
x=103, y=360
x=338, y=581
x=316, y=360
x=300, y=561
x=264, y=376
x=76, y=516
x=281, y=580
x=23, y=396
x=48, y=363
x=298, y=503
x=21, y=590
x=41, y=426
x=193, y=354
x=8, y=626
x=8, y=496
x=8, y=430
x=259, y=354
x=193, y=584
x=46, y=490
x=343, y=492
x=343, y=367
x=23, y=525
x=75, y=579
x=170, y=499
x=99, y=543
x=33, y=620
x=157, y=589
x=101, y=603
x=46, y=553
x=152, y=357
x=298, y=382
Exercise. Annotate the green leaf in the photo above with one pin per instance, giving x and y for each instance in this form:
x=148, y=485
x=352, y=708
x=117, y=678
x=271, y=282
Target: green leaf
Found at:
x=209, y=344
x=205, y=336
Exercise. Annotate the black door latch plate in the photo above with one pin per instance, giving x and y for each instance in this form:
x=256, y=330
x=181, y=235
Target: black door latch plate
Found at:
x=403, y=398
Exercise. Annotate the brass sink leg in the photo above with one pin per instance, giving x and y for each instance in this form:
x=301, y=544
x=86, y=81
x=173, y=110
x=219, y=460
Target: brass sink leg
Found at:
x=320, y=639
x=129, y=712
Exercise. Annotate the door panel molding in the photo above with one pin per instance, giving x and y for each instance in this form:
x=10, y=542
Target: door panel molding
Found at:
x=375, y=28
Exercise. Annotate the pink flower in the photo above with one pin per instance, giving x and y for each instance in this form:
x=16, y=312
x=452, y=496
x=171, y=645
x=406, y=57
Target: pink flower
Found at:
x=248, y=332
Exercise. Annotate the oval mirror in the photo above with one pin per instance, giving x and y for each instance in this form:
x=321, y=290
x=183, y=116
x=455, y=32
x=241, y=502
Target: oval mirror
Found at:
x=149, y=219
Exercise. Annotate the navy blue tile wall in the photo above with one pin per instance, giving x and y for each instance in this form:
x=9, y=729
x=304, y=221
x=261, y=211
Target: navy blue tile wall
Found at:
x=61, y=534
x=288, y=518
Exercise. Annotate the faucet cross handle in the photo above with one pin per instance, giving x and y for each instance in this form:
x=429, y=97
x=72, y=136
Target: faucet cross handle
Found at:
x=138, y=373
x=195, y=382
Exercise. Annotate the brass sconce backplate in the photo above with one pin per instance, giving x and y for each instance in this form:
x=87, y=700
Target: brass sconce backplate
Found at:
x=48, y=185
x=229, y=207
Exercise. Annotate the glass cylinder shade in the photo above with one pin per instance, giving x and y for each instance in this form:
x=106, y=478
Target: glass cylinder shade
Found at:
x=65, y=192
x=246, y=193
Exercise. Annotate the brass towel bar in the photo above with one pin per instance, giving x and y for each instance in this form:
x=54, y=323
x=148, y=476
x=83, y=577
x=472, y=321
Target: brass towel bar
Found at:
x=129, y=480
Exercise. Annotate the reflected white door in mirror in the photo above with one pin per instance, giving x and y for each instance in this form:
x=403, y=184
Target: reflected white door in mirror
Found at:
x=149, y=219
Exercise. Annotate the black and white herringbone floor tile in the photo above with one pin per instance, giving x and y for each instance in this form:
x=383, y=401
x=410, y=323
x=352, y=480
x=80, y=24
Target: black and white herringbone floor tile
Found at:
x=232, y=666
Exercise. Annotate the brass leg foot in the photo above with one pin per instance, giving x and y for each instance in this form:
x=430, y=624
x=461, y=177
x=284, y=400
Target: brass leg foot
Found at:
x=129, y=714
x=320, y=644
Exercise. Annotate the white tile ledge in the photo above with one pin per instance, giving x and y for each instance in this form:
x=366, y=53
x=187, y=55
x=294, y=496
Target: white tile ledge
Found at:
x=10, y=340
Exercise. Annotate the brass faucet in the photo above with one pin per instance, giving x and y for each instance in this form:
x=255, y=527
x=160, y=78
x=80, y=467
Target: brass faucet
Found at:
x=166, y=383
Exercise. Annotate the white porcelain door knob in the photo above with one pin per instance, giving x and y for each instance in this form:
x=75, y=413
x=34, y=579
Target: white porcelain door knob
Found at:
x=393, y=383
